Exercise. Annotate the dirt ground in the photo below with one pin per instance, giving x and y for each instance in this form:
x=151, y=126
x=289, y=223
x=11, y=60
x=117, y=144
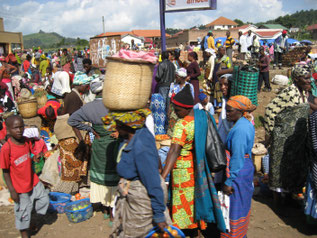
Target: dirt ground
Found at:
x=288, y=222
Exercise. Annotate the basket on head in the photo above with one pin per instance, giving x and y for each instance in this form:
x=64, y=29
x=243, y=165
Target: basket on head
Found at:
x=128, y=84
x=41, y=101
x=28, y=108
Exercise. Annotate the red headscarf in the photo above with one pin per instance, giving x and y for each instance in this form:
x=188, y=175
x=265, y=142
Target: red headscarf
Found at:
x=241, y=103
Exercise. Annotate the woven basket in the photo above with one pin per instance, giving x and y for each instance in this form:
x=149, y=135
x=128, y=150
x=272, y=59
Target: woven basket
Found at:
x=245, y=82
x=28, y=108
x=128, y=84
x=41, y=101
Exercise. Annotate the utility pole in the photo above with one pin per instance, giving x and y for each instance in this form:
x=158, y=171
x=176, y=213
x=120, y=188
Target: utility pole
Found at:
x=103, y=25
x=162, y=24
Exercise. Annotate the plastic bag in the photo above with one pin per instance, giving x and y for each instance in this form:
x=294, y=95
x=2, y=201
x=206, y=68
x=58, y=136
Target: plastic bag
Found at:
x=281, y=80
x=225, y=208
x=50, y=172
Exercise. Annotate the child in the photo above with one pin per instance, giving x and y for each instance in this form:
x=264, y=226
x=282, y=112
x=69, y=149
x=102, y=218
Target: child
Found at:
x=204, y=104
x=23, y=184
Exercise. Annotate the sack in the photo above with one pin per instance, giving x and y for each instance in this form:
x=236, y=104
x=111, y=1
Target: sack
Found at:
x=50, y=172
x=215, y=149
x=281, y=80
x=225, y=208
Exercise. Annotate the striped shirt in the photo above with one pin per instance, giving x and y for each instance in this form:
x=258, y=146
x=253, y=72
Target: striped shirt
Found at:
x=229, y=42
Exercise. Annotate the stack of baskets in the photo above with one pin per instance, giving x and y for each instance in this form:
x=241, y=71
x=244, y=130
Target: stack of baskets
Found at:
x=128, y=84
x=245, y=82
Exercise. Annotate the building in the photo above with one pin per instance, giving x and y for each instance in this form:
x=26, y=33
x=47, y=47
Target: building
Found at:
x=127, y=39
x=102, y=47
x=246, y=28
x=193, y=36
x=313, y=29
x=153, y=35
x=9, y=40
x=294, y=30
x=272, y=26
x=221, y=23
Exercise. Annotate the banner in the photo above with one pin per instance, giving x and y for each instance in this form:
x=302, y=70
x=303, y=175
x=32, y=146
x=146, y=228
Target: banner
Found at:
x=189, y=5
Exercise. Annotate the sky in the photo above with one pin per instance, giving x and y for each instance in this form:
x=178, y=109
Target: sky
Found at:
x=83, y=18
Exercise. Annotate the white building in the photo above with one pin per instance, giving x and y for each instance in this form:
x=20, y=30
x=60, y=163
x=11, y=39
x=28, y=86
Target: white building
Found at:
x=221, y=23
x=127, y=38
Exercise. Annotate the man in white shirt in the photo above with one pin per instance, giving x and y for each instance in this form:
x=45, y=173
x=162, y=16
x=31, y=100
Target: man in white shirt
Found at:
x=280, y=47
x=243, y=49
x=249, y=42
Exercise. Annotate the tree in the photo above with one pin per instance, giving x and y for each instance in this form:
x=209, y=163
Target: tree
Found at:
x=239, y=22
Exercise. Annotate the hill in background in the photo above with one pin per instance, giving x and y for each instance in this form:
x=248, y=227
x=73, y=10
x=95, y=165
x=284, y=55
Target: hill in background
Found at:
x=51, y=40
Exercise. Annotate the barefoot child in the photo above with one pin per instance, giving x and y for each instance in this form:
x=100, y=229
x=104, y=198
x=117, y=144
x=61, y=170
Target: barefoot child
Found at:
x=23, y=184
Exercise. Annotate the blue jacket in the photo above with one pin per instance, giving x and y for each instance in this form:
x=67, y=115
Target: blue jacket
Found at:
x=139, y=161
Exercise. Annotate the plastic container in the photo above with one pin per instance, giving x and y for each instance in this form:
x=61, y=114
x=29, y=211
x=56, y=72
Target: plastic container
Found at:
x=58, y=201
x=79, y=211
x=155, y=229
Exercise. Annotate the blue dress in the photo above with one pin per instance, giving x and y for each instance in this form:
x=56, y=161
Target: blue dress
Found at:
x=240, y=176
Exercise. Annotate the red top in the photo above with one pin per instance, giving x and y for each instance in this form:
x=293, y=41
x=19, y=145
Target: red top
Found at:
x=39, y=146
x=56, y=105
x=17, y=159
x=26, y=65
x=3, y=132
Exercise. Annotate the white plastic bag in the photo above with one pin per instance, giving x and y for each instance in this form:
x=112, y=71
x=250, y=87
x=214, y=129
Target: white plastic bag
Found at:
x=225, y=208
x=281, y=80
x=50, y=172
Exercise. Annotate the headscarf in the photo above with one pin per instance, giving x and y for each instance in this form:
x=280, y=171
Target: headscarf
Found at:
x=202, y=96
x=184, y=98
x=43, y=57
x=300, y=70
x=241, y=103
x=181, y=72
x=96, y=86
x=134, y=119
x=81, y=78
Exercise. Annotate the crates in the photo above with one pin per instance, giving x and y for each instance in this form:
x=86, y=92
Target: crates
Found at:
x=58, y=201
x=79, y=211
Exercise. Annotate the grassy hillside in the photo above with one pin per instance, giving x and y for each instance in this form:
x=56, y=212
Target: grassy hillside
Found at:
x=50, y=40
x=300, y=19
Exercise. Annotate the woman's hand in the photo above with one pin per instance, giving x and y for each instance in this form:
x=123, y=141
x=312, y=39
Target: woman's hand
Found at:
x=227, y=190
x=162, y=226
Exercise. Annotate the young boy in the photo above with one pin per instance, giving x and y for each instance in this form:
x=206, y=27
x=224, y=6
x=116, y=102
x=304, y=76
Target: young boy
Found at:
x=23, y=184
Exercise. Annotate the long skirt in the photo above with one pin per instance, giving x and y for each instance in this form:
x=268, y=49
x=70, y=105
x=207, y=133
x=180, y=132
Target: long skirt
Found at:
x=133, y=211
x=72, y=169
x=195, y=83
x=183, y=194
x=240, y=201
x=290, y=150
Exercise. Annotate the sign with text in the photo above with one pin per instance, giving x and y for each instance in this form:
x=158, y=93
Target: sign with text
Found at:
x=189, y=5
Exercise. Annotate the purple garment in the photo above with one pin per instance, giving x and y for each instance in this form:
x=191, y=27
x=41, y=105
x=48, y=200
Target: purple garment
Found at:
x=154, y=83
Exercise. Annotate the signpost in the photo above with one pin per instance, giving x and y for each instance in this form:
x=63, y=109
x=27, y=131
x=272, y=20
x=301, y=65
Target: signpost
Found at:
x=181, y=6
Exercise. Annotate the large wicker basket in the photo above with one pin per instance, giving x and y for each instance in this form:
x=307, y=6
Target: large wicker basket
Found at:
x=128, y=84
x=41, y=101
x=28, y=108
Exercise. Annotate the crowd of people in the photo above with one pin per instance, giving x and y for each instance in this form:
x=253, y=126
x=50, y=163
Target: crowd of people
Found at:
x=115, y=154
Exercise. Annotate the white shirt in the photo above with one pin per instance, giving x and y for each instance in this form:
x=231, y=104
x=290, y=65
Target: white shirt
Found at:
x=149, y=123
x=243, y=43
x=249, y=40
x=209, y=107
